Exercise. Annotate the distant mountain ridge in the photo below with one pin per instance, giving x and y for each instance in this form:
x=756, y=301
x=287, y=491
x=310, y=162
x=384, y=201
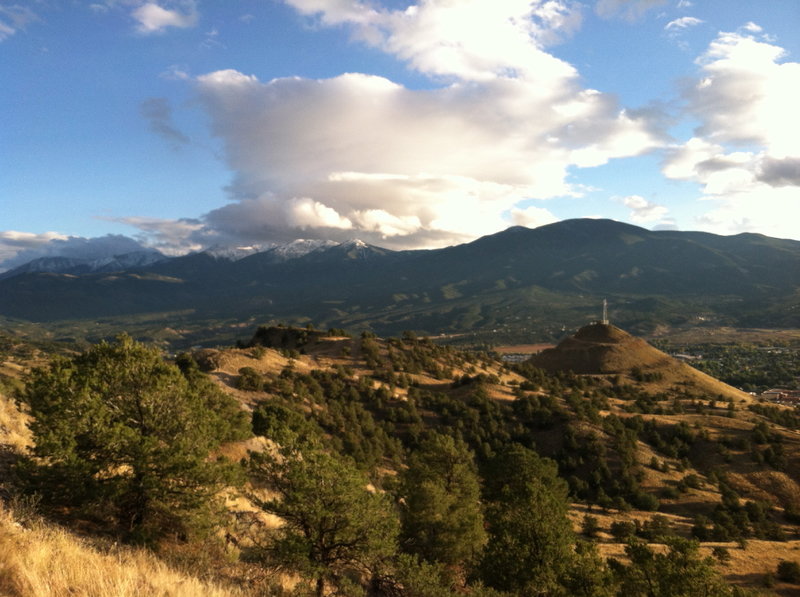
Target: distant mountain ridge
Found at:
x=283, y=252
x=73, y=265
x=147, y=257
x=514, y=282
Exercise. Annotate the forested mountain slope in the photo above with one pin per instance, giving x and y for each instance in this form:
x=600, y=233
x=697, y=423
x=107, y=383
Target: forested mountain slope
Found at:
x=517, y=282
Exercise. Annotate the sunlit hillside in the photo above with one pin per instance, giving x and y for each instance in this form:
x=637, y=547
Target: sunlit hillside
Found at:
x=649, y=449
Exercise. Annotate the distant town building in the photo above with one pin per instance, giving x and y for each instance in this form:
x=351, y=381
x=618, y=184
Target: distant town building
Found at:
x=782, y=396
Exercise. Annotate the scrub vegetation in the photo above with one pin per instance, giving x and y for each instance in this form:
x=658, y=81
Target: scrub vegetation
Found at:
x=317, y=463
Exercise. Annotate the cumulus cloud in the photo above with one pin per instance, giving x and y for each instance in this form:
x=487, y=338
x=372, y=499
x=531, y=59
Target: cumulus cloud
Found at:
x=13, y=18
x=360, y=155
x=747, y=95
x=503, y=124
x=470, y=39
x=644, y=211
x=171, y=237
x=17, y=248
x=780, y=172
x=152, y=17
x=14, y=243
x=363, y=154
x=532, y=217
x=744, y=153
x=158, y=113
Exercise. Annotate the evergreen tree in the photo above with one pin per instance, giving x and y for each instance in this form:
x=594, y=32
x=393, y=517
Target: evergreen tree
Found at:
x=680, y=572
x=442, y=518
x=332, y=524
x=121, y=430
x=530, y=537
x=587, y=574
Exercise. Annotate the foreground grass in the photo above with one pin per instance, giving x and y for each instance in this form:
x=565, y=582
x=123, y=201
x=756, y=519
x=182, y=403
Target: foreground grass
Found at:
x=39, y=560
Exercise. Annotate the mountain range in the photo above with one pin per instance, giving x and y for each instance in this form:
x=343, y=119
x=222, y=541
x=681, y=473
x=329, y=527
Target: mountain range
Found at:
x=517, y=282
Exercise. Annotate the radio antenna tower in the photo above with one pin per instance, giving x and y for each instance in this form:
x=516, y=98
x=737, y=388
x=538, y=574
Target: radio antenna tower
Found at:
x=604, y=321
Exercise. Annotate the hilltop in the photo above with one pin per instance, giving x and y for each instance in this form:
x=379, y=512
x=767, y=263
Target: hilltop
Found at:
x=601, y=348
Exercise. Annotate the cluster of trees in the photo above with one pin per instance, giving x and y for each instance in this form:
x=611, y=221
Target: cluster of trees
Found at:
x=468, y=504
x=752, y=368
x=781, y=416
x=446, y=528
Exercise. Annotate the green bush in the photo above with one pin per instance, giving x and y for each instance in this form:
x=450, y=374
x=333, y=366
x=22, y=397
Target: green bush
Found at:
x=623, y=530
x=250, y=380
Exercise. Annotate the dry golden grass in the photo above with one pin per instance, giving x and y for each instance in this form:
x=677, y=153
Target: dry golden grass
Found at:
x=748, y=565
x=14, y=432
x=44, y=561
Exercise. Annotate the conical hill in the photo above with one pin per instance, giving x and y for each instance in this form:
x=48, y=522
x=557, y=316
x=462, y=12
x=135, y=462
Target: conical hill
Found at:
x=606, y=349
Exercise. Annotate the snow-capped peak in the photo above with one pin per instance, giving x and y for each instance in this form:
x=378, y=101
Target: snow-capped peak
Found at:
x=235, y=253
x=300, y=247
x=354, y=243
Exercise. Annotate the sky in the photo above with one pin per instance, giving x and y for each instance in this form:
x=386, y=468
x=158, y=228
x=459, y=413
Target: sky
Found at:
x=185, y=124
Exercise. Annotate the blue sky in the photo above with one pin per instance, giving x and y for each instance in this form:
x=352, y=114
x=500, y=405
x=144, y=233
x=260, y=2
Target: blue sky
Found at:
x=190, y=123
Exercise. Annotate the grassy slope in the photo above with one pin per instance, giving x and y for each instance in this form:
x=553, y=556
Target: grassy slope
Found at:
x=41, y=560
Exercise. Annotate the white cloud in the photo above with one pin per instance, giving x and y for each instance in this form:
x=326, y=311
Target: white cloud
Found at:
x=644, y=211
x=305, y=213
x=175, y=73
x=17, y=248
x=360, y=155
x=154, y=18
x=754, y=208
x=171, y=237
x=402, y=166
x=682, y=23
x=386, y=224
x=14, y=243
x=747, y=96
x=752, y=27
x=469, y=39
x=744, y=153
x=13, y=18
x=532, y=217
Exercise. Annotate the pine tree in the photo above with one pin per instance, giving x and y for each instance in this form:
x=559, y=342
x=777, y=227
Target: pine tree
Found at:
x=530, y=537
x=332, y=524
x=121, y=431
x=442, y=515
